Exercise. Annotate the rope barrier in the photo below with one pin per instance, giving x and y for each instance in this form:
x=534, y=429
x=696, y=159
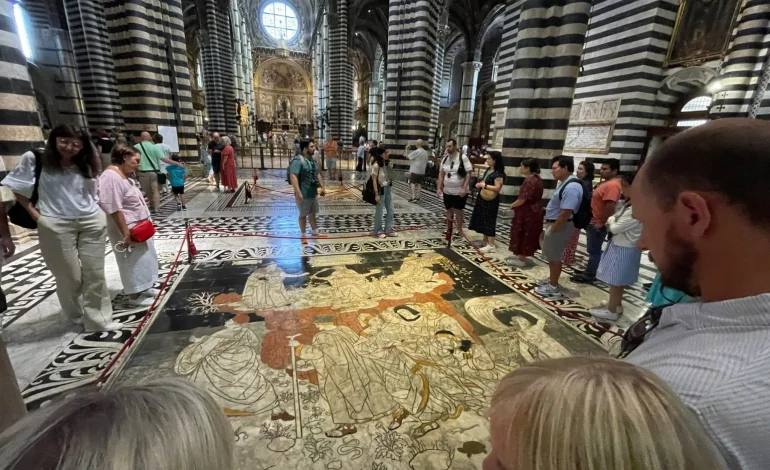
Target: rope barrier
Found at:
x=327, y=238
x=144, y=319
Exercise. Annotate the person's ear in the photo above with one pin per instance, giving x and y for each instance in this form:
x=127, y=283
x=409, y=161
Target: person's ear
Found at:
x=693, y=215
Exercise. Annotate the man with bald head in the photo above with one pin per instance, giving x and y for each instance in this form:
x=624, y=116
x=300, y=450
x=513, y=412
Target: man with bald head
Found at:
x=215, y=150
x=149, y=169
x=704, y=202
x=419, y=161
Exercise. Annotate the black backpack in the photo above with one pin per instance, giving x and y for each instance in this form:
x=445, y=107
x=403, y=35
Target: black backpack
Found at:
x=17, y=214
x=582, y=218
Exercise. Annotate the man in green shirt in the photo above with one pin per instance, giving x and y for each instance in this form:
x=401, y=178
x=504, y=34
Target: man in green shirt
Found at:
x=307, y=181
x=149, y=168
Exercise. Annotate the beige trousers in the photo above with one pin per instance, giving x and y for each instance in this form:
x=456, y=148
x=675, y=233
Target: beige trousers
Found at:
x=12, y=406
x=149, y=182
x=74, y=252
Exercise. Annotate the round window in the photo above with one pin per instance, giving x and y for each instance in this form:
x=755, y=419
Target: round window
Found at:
x=280, y=21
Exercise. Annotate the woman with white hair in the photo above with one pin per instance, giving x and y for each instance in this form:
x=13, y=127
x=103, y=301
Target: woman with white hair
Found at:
x=229, y=176
x=167, y=424
x=593, y=413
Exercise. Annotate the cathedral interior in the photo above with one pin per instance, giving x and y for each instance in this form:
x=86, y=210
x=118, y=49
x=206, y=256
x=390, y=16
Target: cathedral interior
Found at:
x=289, y=335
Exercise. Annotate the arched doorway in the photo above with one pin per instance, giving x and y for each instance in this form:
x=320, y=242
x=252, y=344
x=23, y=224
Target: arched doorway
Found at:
x=687, y=96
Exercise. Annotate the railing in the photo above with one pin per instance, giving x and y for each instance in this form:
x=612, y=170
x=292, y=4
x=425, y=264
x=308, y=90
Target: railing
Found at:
x=276, y=157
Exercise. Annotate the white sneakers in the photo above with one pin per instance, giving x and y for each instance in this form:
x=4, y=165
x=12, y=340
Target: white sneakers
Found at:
x=488, y=249
x=141, y=301
x=603, y=313
x=547, y=289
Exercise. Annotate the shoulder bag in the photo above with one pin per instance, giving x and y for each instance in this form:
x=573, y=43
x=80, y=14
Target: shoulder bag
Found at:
x=487, y=194
x=18, y=215
x=161, y=176
x=142, y=231
x=368, y=193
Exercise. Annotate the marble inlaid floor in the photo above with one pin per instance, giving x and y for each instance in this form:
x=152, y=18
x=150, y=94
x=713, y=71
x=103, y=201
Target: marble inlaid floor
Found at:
x=406, y=323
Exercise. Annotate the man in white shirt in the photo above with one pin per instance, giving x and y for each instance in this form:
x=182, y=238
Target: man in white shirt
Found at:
x=703, y=200
x=419, y=160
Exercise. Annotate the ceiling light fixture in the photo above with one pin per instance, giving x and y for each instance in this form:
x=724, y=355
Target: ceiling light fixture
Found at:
x=715, y=86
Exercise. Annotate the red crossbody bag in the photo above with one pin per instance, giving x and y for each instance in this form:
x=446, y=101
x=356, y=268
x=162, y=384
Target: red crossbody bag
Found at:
x=142, y=231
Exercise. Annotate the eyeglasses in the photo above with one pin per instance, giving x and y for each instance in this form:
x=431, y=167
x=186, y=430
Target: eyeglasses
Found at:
x=637, y=333
x=76, y=144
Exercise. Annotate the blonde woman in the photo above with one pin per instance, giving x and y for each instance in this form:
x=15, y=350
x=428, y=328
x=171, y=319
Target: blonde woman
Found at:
x=593, y=413
x=164, y=425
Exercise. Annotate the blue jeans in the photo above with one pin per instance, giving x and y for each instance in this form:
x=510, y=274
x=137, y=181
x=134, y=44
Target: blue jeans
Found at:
x=386, y=201
x=595, y=240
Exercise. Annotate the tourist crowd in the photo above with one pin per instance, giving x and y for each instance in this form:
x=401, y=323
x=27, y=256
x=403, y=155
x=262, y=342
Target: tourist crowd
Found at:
x=688, y=394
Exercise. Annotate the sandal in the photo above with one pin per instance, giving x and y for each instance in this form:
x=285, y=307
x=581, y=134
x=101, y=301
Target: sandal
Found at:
x=423, y=429
x=342, y=431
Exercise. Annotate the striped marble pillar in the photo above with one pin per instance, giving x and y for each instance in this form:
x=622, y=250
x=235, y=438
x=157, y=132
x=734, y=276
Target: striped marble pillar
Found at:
x=375, y=109
x=95, y=65
x=467, y=101
x=412, y=42
x=54, y=76
x=219, y=81
x=237, y=43
x=742, y=67
x=153, y=78
x=438, y=80
x=340, y=77
x=248, y=71
x=20, y=126
x=547, y=59
x=504, y=70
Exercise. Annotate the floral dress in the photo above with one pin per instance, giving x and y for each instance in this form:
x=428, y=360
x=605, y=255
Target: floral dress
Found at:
x=527, y=222
x=484, y=218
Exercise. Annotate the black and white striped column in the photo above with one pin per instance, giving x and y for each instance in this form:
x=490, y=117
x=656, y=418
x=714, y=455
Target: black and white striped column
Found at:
x=20, y=123
x=340, y=76
x=153, y=76
x=219, y=81
x=438, y=79
x=744, y=62
x=375, y=109
x=467, y=101
x=504, y=71
x=547, y=59
x=412, y=42
x=96, y=68
x=238, y=71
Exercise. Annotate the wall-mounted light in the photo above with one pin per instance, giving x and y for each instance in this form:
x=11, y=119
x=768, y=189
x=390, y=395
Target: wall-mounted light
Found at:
x=715, y=86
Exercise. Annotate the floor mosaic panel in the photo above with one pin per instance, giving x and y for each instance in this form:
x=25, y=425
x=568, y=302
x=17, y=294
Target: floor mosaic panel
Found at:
x=382, y=359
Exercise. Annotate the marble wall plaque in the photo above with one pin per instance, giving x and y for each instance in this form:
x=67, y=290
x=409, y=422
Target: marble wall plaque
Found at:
x=595, y=111
x=589, y=139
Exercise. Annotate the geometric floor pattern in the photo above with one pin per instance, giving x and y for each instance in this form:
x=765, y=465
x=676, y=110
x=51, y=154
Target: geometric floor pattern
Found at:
x=345, y=353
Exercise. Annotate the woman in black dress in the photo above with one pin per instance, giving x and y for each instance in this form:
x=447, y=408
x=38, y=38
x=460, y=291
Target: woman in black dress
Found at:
x=484, y=219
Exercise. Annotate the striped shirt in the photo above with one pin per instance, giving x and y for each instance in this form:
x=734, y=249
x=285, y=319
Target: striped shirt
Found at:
x=716, y=357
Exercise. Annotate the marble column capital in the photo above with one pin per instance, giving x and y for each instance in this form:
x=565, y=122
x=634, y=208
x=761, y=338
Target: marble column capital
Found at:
x=473, y=66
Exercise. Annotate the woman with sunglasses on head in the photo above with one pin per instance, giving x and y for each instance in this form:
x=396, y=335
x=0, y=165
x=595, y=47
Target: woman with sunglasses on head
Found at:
x=453, y=180
x=121, y=198
x=484, y=219
x=72, y=229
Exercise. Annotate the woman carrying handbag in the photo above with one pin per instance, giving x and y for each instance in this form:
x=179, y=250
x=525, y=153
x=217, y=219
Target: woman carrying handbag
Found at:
x=58, y=191
x=129, y=228
x=484, y=218
x=382, y=179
